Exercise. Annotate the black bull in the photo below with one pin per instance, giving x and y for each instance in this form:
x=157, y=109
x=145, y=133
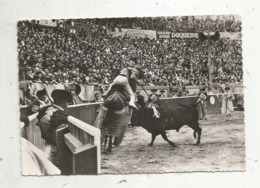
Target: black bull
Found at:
x=170, y=119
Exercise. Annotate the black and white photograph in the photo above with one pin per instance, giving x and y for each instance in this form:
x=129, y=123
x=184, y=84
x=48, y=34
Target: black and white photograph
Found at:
x=131, y=95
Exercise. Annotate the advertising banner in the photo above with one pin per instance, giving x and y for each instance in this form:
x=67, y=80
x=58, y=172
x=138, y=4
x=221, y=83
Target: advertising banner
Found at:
x=48, y=23
x=231, y=36
x=184, y=35
x=174, y=35
x=134, y=33
x=163, y=34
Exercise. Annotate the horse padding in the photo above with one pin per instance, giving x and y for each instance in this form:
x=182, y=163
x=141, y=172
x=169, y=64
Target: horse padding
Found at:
x=117, y=124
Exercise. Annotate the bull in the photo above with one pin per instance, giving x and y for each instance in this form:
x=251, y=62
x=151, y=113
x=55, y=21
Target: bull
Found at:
x=170, y=119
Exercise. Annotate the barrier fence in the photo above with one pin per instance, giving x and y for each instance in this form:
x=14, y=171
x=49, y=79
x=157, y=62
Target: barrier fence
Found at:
x=83, y=142
x=235, y=88
x=87, y=112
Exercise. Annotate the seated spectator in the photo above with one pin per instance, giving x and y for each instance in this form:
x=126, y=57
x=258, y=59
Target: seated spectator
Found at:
x=175, y=93
x=43, y=98
x=33, y=108
x=97, y=98
x=162, y=94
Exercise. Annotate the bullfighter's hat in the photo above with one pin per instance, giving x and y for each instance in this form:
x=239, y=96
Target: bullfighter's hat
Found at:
x=154, y=90
x=227, y=88
x=60, y=95
x=40, y=93
x=162, y=91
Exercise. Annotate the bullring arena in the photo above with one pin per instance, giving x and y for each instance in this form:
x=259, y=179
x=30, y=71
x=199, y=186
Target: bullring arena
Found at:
x=221, y=149
x=194, y=64
x=222, y=146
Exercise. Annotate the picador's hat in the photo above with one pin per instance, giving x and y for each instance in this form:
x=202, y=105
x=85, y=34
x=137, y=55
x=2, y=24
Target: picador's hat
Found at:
x=154, y=90
x=162, y=91
x=60, y=95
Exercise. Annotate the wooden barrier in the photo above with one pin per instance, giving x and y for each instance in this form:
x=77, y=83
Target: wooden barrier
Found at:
x=23, y=110
x=23, y=132
x=174, y=102
x=84, y=143
x=33, y=132
x=213, y=104
x=235, y=88
x=86, y=112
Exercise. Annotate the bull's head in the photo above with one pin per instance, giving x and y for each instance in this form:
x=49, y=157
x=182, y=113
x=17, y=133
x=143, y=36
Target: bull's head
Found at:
x=140, y=101
x=137, y=119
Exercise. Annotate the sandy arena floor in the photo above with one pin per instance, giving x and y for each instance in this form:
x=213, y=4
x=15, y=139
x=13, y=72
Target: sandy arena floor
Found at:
x=222, y=148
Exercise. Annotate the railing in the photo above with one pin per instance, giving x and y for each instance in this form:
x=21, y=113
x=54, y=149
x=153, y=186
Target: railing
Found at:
x=33, y=133
x=84, y=143
x=86, y=112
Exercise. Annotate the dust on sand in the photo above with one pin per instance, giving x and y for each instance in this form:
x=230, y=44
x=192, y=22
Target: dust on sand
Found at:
x=222, y=148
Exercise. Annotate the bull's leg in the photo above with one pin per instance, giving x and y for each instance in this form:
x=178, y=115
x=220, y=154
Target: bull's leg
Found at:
x=153, y=138
x=166, y=139
x=109, y=149
x=198, y=130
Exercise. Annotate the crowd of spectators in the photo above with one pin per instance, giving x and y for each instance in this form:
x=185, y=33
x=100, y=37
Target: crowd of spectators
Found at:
x=48, y=55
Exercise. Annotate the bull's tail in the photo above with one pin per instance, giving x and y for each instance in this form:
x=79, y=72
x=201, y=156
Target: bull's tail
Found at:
x=195, y=134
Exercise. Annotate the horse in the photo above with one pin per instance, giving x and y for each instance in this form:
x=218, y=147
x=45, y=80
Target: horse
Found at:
x=114, y=115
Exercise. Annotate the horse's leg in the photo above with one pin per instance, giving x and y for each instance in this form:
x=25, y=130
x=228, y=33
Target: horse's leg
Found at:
x=153, y=138
x=115, y=141
x=166, y=139
x=105, y=144
x=109, y=149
